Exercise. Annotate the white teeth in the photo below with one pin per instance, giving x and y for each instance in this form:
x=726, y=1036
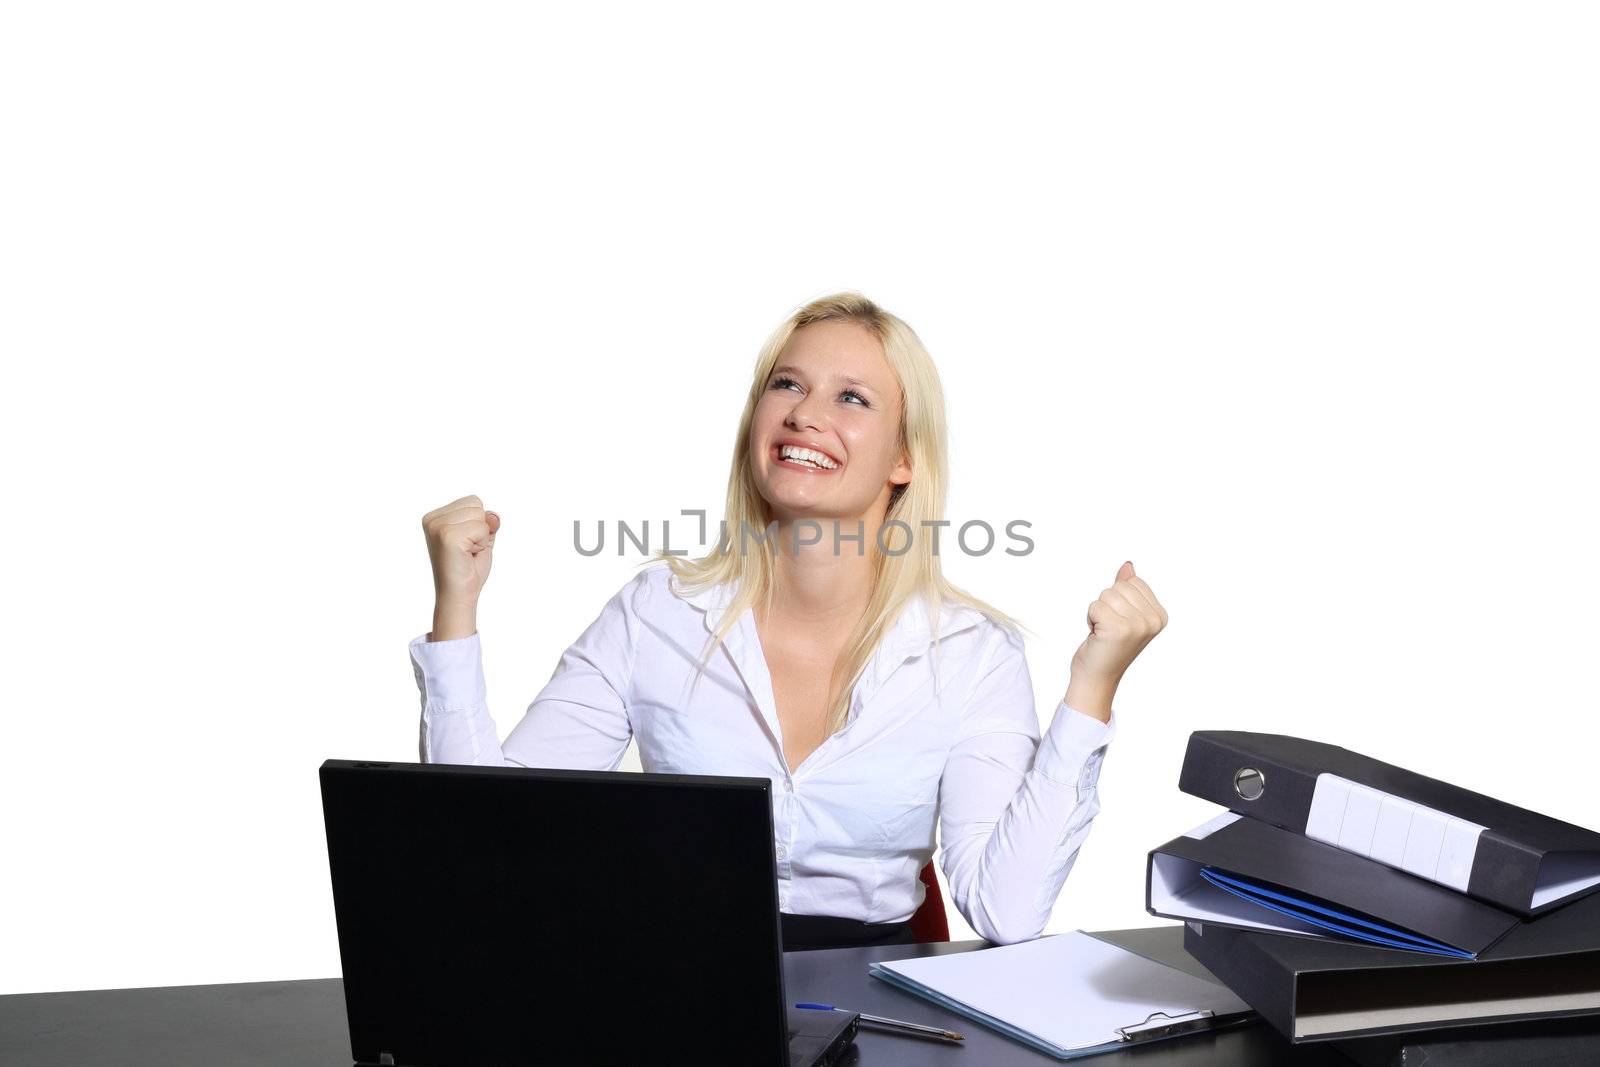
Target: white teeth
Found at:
x=809, y=456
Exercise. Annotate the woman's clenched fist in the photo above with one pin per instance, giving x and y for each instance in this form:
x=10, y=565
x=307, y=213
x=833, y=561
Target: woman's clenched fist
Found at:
x=461, y=548
x=1122, y=620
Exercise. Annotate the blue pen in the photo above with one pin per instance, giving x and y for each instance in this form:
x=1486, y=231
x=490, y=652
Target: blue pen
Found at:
x=892, y=1025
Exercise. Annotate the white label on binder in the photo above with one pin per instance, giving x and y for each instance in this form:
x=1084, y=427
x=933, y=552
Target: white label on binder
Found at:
x=1393, y=831
x=1327, y=808
x=1424, y=841
x=1360, y=820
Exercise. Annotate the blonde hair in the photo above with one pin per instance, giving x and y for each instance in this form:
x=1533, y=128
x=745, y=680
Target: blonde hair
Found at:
x=898, y=575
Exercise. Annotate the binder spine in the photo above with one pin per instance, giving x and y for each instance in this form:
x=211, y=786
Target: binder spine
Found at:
x=1359, y=819
x=1507, y=874
x=1270, y=790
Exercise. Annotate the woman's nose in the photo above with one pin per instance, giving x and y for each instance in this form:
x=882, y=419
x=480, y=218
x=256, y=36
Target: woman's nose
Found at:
x=800, y=418
x=805, y=414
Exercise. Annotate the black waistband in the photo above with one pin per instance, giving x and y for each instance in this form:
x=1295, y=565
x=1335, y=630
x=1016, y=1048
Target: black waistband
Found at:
x=802, y=932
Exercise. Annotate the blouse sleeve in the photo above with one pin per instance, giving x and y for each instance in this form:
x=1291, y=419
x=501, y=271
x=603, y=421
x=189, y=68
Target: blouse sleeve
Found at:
x=1014, y=811
x=578, y=721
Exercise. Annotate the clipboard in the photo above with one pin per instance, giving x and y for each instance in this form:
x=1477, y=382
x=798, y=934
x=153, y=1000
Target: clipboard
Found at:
x=1070, y=996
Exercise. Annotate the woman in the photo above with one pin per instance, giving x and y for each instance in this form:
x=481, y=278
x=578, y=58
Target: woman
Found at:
x=819, y=645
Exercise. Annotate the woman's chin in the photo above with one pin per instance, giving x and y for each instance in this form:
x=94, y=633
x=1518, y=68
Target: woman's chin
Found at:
x=792, y=507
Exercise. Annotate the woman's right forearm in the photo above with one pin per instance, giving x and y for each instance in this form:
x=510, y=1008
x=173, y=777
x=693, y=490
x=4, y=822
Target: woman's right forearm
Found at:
x=456, y=725
x=452, y=621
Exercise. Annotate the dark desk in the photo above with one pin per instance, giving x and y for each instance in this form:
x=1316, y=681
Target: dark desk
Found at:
x=302, y=1024
x=840, y=977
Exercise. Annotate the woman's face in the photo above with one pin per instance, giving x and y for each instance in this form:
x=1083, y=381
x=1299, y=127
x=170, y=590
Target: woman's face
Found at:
x=832, y=392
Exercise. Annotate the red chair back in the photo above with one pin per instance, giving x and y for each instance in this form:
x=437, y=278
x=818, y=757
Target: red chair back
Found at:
x=929, y=922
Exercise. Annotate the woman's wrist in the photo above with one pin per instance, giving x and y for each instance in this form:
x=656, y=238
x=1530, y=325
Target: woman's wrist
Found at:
x=1091, y=695
x=453, y=621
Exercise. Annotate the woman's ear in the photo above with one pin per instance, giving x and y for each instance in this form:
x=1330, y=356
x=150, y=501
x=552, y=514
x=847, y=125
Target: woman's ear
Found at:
x=901, y=473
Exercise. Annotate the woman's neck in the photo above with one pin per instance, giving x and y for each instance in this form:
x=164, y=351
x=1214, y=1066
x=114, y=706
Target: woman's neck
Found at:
x=818, y=586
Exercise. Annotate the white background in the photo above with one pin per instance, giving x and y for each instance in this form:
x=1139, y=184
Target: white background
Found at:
x=1294, y=308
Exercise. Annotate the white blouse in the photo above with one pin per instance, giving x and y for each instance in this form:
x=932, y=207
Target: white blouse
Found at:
x=951, y=739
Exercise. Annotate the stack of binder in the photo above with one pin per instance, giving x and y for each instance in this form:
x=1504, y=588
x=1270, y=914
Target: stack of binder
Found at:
x=1342, y=897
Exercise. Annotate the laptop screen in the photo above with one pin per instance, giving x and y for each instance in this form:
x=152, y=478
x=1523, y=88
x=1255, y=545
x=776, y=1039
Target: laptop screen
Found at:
x=500, y=914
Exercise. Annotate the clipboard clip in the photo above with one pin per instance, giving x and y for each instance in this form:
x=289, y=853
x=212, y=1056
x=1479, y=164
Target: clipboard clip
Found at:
x=1160, y=1024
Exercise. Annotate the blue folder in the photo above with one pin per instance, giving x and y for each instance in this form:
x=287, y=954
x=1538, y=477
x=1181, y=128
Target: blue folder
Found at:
x=1343, y=923
x=1248, y=873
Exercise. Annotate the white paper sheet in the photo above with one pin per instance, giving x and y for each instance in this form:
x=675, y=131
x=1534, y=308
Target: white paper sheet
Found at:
x=1070, y=992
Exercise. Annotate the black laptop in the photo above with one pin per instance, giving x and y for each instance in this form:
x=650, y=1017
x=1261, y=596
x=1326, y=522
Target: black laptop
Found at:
x=502, y=915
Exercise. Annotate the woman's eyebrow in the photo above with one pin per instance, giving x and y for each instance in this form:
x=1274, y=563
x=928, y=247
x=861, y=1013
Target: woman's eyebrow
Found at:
x=789, y=369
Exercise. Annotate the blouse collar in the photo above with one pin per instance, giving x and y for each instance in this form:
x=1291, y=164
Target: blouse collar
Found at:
x=909, y=637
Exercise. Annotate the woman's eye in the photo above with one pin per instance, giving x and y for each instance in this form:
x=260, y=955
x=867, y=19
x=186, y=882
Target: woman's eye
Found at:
x=848, y=394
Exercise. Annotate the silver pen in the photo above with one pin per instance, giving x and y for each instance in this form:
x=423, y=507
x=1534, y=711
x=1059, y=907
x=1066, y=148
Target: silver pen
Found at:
x=892, y=1025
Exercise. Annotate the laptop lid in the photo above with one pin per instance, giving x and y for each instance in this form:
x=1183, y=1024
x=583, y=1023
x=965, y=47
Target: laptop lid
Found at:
x=490, y=915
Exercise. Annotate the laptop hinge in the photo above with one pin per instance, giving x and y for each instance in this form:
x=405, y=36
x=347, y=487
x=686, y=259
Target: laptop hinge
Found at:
x=386, y=1059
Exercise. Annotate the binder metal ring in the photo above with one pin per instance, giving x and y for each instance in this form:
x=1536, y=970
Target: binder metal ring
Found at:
x=1249, y=783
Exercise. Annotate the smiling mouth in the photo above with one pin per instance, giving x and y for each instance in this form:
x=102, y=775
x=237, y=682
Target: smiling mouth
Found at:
x=805, y=459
